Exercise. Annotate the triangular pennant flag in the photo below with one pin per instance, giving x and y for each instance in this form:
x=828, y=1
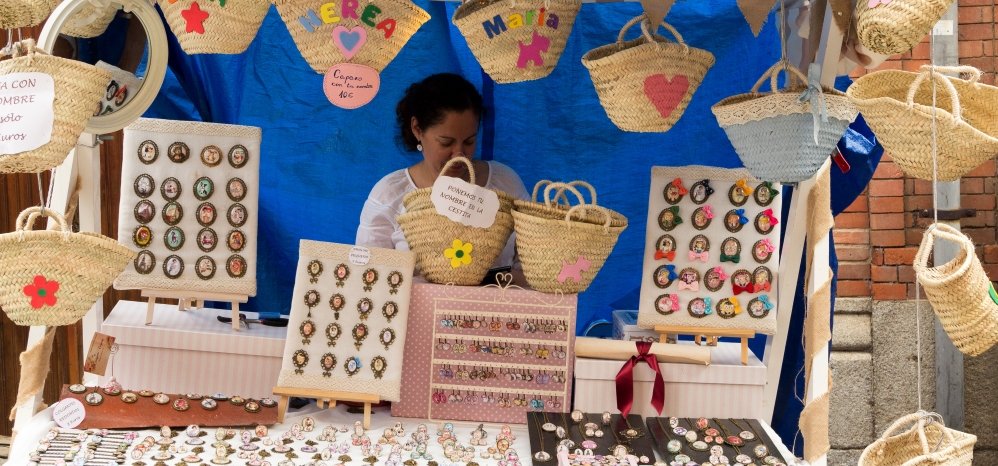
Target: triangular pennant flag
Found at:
x=756, y=12
x=656, y=10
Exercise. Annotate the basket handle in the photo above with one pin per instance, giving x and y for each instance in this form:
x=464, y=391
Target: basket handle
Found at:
x=647, y=33
x=942, y=231
x=774, y=72
x=467, y=162
x=601, y=209
x=560, y=195
x=562, y=187
x=27, y=218
x=937, y=74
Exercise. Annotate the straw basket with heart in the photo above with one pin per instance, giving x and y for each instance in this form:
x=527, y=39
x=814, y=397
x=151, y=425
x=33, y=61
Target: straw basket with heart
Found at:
x=214, y=26
x=371, y=34
x=517, y=40
x=78, y=91
x=52, y=277
x=920, y=439
x=898, y=106
x=785, y=135
x=645, y=84
x=890, y=27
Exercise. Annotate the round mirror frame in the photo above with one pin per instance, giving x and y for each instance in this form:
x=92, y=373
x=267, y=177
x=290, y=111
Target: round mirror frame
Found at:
x=155, y=63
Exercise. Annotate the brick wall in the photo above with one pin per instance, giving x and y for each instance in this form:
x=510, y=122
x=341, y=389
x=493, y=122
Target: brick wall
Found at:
x=877, y=236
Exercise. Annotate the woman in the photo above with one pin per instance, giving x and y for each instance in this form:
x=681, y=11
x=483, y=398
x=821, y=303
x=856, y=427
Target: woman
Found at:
x=438, y=117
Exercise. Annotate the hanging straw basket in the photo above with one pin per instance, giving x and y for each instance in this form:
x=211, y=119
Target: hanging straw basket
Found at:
x=896, y=27
x=511, y=54
x=91, y=20
x=783, y=135
x=898, y=107
x=430, y=234
x=553, y=242
x=16, y=14
x=926, y=442
x=228, y=26
x=350, y=40
x=960, y=292
x=78, y=91
x=645, y=84
x=53, y=277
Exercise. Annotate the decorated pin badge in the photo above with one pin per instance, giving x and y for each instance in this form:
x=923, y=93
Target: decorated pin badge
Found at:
x=735, y=219
x=211, y=156
x=336, y=303
x=236, y=266
x=312, y=299
x=327, y=363
x=148, y=152
x=378, y=366
x=731, y=250
x=205, y=267
x=390, y=310
x=699, y=248
x=728, y=308
x=701, y=191
x=369, y=278
x=739, y=192
x=204, y=188
x=359, y=335
x=394, y=281
x=674, y=191
x=715, y=278
x=207, y=239
x=741, y=282
x=172, y=213
x=760, y=306
x=236, y=189
x=763, y=250
x=236, y=240
x=702, y=217
x=765, y=221
x=762, y=280
x=94, y=399
x=299, y=359
x=352, y=366
x=238, y=156
x=236, y=215
x=667, y=303
x=333, y=332
x=178, y=152
x=144, y=262
x=364, y=307
x=342, y=271
x=664, y=275
x=144, y=211
x=206, y=214
x=669, y=218
x=387, y=337
x=307, y=330
x=699, y=307
x=665, y=248
x=181, y=404
x=170, y=189
x=689, y=279
x=173, y=266
x=142, y=236
x=765, y=193
x=144, y=186
x=209, y=404
x=314, y=269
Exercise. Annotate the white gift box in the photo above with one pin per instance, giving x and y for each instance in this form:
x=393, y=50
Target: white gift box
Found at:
x=724, y=389
x=192, y=352
x=625, y=327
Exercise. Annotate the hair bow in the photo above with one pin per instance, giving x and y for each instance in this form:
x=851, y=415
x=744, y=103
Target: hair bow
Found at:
x=767, y=245
x=738, y=289
x=693, y=286
x=764, y=299
x=738, y=307
x=735, y=258
x=703, y=256
x=741, y=216
x=707, y=188
x=672, y=272
x=676, y=218
x=742, y=183
x=708, y=211
x=660, y=254
x=720, y=273
x=678, y=183
x=673, y=300
x=768, y=185
x=761, y=287
x=769, y=213
x=708, y=306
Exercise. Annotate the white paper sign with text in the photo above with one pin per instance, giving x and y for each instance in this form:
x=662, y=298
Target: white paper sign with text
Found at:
x=26, y=111
x=69, y=413
x=465, y=203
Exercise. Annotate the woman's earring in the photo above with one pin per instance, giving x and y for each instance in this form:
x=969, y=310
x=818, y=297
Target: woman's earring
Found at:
x=419, y=147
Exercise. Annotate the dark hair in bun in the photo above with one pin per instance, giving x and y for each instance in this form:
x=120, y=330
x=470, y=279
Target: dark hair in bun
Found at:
x=428, y=101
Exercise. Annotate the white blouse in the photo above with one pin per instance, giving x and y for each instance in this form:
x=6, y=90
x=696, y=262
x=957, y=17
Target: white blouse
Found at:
x=378, y=227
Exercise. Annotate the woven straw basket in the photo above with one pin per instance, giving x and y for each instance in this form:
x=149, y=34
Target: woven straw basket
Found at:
x=896, y=27
x=78, y=91
x=503, y=50
x=960, y=292
x=645, y=84
x=551, y=239
x=926, y=442
x=24, y=13
x=898, y=107
x=429, y=234
x=317, y=47
x=229, y=27
x=777, y=135
x=555, y=207
x=90, y=20
x=82, y=265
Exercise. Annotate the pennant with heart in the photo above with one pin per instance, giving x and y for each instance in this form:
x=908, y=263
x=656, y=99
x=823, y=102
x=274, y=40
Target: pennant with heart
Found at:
x=349, y=41
x=664, y=93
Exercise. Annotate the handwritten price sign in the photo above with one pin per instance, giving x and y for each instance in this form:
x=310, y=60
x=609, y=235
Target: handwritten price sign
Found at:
x=26, y=113
x=351, y=86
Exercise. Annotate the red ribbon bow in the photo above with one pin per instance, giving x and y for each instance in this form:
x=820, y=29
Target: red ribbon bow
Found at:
x=758, y=287
x=660, y=254
x=625, y=380
x=750, y=288
x=678, y=183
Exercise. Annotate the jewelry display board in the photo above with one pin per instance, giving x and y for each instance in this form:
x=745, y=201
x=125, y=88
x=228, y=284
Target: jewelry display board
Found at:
x=347, y=327
x=738, y=437
x=711, y=250
x=189, y=193
x=590, y=435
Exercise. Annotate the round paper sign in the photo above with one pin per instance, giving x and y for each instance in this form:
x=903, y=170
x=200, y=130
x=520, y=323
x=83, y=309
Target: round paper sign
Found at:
x=351, y=86
x=69, y=413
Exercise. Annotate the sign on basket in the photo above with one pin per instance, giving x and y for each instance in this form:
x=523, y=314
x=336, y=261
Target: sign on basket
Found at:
x=464, y=202
x=26, y=111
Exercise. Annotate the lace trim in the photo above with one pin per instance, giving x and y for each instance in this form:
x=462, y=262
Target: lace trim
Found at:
x=387, y=389
x=197, y=128
x=131, y=280
x=746, y=108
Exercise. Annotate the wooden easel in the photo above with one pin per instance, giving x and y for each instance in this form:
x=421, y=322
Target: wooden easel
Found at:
x=195, y=300
x=698, y=332
x=325, y=399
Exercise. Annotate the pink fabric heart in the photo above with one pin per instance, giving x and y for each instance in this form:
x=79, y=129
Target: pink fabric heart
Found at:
x=876, y=3
x=666, y=94
x=349, y=41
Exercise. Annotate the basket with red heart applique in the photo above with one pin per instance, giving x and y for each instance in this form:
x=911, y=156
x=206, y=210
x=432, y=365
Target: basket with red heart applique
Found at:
x=369, y=33
x=214, y=26
x=645, y=84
